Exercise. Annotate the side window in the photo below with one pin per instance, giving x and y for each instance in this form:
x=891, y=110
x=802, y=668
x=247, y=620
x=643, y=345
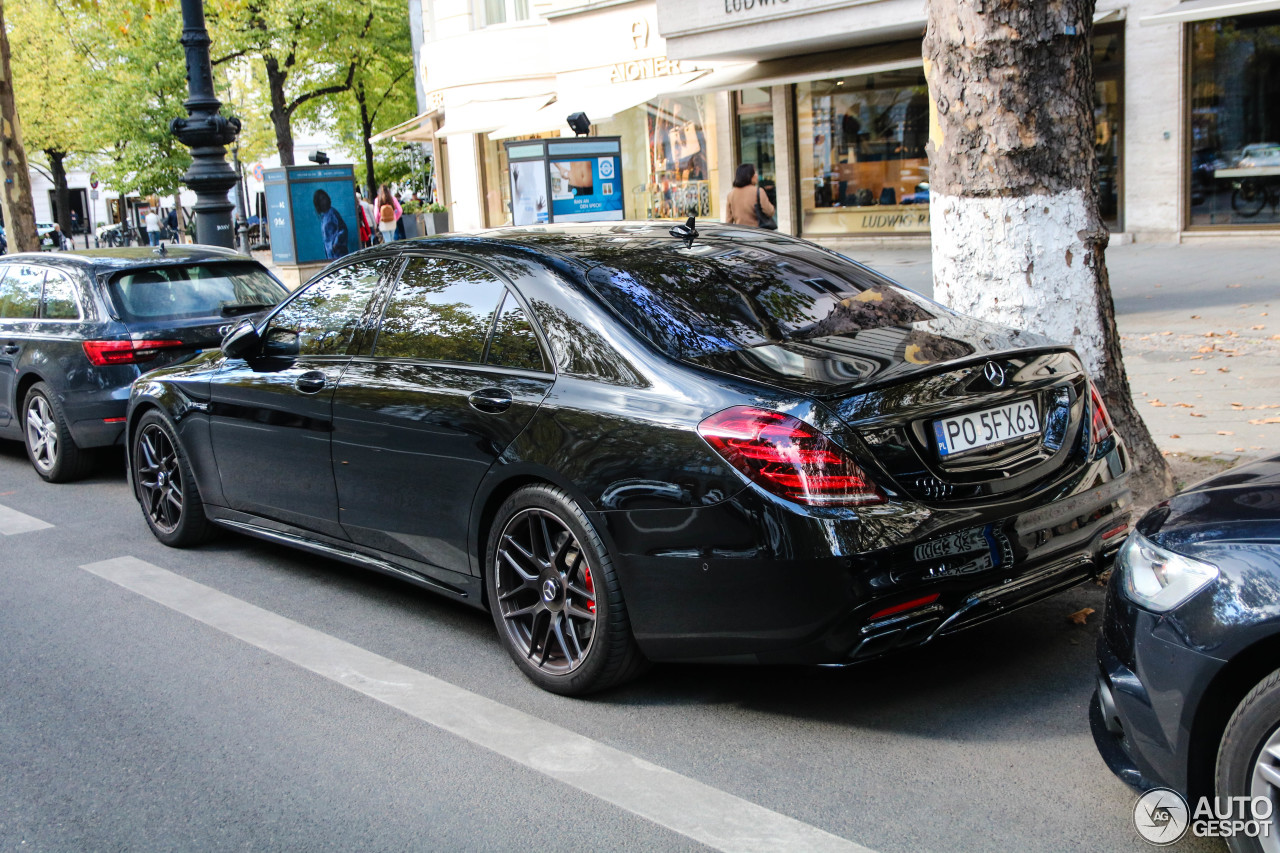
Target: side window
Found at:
x=441, y=311
x=324, y=318
x=59, y=298
x=21, y=292
x=514, y=342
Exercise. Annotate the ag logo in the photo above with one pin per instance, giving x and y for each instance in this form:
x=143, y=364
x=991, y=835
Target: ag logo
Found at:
x=1161, y=816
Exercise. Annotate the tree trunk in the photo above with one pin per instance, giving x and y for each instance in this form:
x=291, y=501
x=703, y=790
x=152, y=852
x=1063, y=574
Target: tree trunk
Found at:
x=61, y=192
x=16, y=204
x=366, y=130
x=280, y=117
x=1017, y=236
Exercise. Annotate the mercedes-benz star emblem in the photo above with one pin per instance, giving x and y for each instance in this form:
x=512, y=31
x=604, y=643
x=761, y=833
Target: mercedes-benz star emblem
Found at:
x=994, y=373
x=549, y=588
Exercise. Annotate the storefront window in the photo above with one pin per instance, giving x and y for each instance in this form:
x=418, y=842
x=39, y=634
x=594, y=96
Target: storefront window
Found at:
x=680, y=135
x=497, y=180
x=1108, y=108
x=1235, y=121
x=755, y=137
x=863, y=166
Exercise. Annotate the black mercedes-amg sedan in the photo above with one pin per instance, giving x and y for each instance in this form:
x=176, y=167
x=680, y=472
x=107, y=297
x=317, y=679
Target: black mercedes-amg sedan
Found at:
x=713, y=444
x=1189, y=655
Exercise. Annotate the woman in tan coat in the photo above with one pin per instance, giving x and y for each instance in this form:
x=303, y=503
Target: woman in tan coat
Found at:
x=740, y=206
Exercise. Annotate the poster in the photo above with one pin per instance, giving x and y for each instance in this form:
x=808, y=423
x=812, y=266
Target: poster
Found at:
x=586, y=189
x=528, y=193
x=325, y=222
x=279, y=217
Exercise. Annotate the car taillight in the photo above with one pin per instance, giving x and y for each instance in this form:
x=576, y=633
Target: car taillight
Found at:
x=125, y=352
x=1100, y=421
x=788, y=457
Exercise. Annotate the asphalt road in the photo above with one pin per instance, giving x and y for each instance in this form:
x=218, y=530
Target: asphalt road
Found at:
x=126, y=724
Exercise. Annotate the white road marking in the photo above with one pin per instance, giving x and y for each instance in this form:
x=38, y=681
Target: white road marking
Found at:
x=691, y=808
x=12, y=521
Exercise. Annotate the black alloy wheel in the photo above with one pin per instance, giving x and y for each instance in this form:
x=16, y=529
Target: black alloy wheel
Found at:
x=165, y=486
x=554, y=595
x=50, y=447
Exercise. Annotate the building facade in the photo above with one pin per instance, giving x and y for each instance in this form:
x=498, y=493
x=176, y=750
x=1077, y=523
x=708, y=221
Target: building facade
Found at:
x=827, y=98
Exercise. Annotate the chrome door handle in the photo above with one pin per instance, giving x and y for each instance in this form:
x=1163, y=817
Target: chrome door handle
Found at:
x=490, y=400
x=11, y=349
x=311, y=382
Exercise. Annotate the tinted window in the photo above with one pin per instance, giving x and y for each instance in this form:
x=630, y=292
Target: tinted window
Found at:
x=59, y=298
x=20, y=291
x=718, y=298
x=324, y=318
x=195, y=290
x=514, y=343
x=441, y=310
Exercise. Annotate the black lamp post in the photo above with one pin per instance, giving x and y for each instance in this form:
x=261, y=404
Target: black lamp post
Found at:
x=207, y=134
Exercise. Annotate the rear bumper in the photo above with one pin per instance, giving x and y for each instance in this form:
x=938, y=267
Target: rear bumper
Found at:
x=756, y=580
x=96, y=418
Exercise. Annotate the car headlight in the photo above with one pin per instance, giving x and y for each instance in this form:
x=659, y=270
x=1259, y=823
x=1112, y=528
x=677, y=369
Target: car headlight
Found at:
x=1159, y=579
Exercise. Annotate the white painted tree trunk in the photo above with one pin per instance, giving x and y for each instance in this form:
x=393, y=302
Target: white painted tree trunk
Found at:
x=1021, y=262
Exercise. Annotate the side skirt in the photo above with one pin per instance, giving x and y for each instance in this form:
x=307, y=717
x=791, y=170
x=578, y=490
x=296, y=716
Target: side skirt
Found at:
x=458, y=586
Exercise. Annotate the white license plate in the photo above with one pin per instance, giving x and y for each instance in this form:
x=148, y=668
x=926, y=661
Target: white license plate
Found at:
x=985, y=428
x=964, y=542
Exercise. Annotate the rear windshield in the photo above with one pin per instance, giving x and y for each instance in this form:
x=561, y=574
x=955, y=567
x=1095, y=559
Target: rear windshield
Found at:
x=712, y=299
x=195, y=290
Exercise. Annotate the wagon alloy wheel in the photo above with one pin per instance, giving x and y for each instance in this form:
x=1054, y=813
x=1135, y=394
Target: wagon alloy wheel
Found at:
x=159, y=478
x=545, y=591
x=42, y=433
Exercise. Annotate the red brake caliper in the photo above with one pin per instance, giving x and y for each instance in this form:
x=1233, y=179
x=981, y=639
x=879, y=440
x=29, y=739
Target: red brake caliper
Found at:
x=591, y=587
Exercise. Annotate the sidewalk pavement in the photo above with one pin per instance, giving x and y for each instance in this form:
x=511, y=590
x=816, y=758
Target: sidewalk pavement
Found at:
x=1200, y=331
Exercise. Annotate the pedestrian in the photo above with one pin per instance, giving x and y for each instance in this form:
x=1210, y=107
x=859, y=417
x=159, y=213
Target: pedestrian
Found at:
x=400, y=235
x=747, y=204
x=388, y=214
x=75, y=223
x=59, y=239
x=154, y=225
x=171, y=221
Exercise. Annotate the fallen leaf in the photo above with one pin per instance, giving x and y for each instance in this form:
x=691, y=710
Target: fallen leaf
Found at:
x=1196, y=357
x=1224, y=370
x=1198, y=415
x=1275, y=337
x=1239, y=450
x=1175, y=435
x=1197, y=371
x=1232, y=285
x=1081, y=616
x=1158, y=404
x=1209, y=348
x=1164, y=334
x=1212, y=335
x=1185, y=405
x=1265, y=421
x=1173, y=379
x=1225, y=432
x=1195, y=316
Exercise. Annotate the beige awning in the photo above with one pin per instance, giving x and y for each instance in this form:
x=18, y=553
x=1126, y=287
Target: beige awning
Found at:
x=600, y=103
x=1203, y=10
x=484, y=116
x=814, y=66
x=408, y=131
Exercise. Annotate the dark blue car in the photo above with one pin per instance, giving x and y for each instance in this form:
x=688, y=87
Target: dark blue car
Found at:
x=77, y=328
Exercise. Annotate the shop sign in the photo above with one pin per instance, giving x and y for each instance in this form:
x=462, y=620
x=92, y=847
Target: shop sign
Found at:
x=645, y=69
x=874, y=219
x=735, y=6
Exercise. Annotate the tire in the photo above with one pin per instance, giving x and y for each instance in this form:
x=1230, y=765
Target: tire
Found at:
x=164, y=484
x=1248, y=199
x=1249, y=759
x=578, y=640
x=50, y=447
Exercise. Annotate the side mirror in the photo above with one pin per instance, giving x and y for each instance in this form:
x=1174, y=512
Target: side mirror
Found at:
x=242, y=341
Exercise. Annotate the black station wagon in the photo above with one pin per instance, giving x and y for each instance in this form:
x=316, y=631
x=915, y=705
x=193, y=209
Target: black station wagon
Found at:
x=77, y=328
x=634, y=445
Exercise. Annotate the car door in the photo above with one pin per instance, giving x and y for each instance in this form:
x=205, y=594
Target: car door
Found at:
x=456, y=372
x=19, y=306
x=270, y=415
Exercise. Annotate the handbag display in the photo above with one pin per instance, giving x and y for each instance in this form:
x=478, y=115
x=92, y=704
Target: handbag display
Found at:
x=768, y=223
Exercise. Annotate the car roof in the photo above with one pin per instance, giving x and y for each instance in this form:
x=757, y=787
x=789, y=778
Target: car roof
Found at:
x=592, y=244
x=132, y=256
